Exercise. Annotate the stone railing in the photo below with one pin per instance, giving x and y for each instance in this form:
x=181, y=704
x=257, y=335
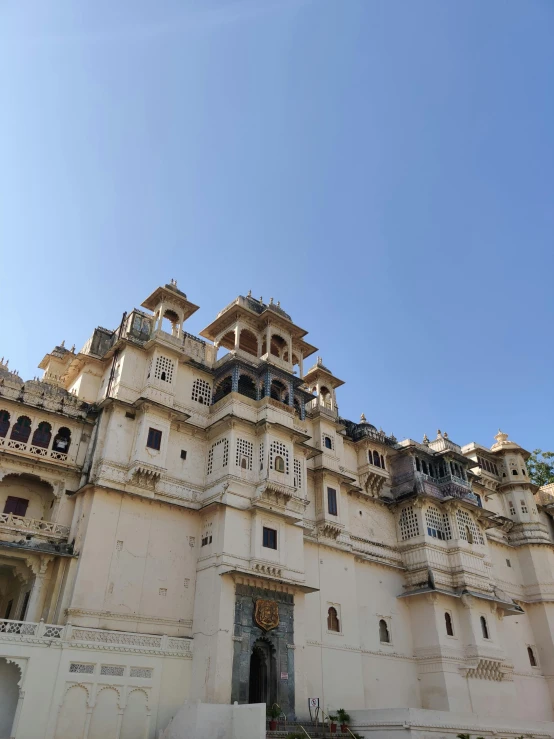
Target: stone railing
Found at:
x=44, y=529
x=89, y=638
x=33, y=451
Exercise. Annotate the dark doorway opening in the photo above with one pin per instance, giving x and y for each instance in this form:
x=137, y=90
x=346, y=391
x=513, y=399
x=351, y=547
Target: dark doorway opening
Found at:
x=263, y=674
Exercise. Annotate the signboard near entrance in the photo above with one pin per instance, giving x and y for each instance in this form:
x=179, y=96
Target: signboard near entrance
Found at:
x=313, y=702
x=284, y=676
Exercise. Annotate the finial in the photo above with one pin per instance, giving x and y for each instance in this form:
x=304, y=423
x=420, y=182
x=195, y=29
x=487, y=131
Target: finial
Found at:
x=261, y=299
x=250, y=293
x=363, y=418
x=445, y=435
x=501, y=436
x=173, y=282
x=271, y=301
x=425, y=439
x=63, y=343
x=319, y=361
x=278, y=303
x=73, y=348
x=439, y=434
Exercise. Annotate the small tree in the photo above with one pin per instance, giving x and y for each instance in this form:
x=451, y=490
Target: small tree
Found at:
x=541, y=467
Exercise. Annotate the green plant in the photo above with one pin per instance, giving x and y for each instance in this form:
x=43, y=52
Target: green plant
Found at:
x=343, y=717
x=296, y=735
x=333, y=719
x=463, y=736
x=273, y=712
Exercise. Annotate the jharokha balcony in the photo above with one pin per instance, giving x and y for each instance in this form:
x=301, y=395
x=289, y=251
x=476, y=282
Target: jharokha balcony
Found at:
x=12, y=524
x=32, y=450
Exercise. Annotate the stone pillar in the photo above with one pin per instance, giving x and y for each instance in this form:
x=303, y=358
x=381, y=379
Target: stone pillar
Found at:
x=267, y=383
x=36, y=601
x=301, y=365
x=291, y=394
x=235, y=380
x=237, y=336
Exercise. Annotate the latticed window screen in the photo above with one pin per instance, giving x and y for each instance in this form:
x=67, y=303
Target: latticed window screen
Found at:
x=141, y=672
x=220, y=447
x=276, y=449
x=201, y=391
x=297, y=473
x=163, y=369
x=245, y=450
x=465, y=522
x=438, y=525
x=79, y=667
x=261, y=455
x=408, y=523
x=114, y=670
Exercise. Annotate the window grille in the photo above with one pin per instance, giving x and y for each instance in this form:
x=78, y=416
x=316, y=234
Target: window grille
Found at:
x=297, y=473
x=201, y=391
x=114, y=670
x=163, y=369
x=261, y=455
x=215, y=448
x=438, y=525
x=276, y=449
x=466, y=522
x=84, y=669
x=245, y=450
x=409, y=526
x=141, y=672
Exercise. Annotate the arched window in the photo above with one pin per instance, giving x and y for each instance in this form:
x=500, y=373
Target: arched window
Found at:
x=332, y=620
x=4, y=423
x=244, y=463
x=424, y=466
x=248, y=342
x=42, y=435
x=448, y=622
x=62, y=440
x=297, y=408
x=418, y=464
x=247, y=386
x=277, y=390
x=325, y=396
x=328, y=443
x=384, y=635
x=382, y=462
x=279, y=464
x=376, y=460
x=484, y=627
x=22, y=429
x=224, y=387
x=532, y=659
x=277, y=345
x=514, y=472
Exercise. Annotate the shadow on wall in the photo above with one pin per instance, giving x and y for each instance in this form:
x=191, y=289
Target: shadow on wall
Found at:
x=197, y=720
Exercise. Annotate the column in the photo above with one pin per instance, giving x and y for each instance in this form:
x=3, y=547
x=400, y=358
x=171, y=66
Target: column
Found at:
x=235, y=380
x=237, y=336
x=268, y=339
x=301, y=365
x=291, y=393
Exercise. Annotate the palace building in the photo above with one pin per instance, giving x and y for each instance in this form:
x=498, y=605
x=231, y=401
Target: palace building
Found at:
x=189, y=518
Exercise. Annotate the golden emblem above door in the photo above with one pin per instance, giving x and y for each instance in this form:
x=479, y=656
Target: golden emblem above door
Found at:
x=266, y=614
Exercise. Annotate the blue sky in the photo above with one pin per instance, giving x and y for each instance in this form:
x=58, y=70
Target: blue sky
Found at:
x=384, y=168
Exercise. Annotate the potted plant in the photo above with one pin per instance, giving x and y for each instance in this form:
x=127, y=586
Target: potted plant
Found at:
x=333, y=724
x=344, y=719
x=273, y=713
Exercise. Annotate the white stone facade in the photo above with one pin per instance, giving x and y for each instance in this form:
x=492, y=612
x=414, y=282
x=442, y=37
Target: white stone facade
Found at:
x=154, y=495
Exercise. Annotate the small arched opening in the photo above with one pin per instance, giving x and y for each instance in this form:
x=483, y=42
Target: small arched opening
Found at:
x=531, y=654
x=278, y=345
x=333, y=623
x=248, y=342
x=278, y=390
x=42, y=435
x=223, y=388
x=263, y=674
x=384, y=635
x=171, y=323
x=247, y=386
x=21, y=429
x=448, y=622
x=484, y=627
x=279, y=464
x=4, y=423
x=376, y=459
x=62, y=440
x=325, y=397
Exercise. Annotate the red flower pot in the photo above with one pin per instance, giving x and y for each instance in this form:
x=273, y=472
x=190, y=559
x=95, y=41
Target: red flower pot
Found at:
x=344, y=728
x=272, y=725
x=333, y=728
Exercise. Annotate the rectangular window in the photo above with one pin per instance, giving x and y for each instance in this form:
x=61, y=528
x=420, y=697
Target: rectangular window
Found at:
x=17, y=506
x=332, y=502
x=154, y=439
x=183, y=454
x=270, y=538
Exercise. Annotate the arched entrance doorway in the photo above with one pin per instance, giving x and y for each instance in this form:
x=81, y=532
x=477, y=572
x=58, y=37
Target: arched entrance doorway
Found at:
x=9, y=695
x=263, y=674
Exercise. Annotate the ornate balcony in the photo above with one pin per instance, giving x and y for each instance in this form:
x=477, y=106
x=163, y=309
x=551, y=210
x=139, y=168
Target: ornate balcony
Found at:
x=13, y=524
x=32, y=451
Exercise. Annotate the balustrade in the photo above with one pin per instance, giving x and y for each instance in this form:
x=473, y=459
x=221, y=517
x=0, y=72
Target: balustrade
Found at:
x=34, y=526
x=35, y=451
